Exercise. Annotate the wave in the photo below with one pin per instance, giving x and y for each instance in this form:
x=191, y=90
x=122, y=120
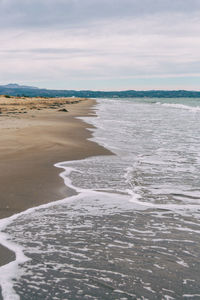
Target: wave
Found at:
x=180, y=106
x=10, y=271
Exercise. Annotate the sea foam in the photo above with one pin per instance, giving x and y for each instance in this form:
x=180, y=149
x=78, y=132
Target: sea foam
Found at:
x=10, y=271
x=180, y=106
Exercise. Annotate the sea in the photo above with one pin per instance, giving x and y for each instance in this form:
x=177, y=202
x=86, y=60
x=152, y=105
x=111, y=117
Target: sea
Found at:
x=132, y=231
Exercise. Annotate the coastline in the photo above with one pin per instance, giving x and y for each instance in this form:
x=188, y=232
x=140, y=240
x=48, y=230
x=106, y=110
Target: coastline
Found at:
x=30, y=146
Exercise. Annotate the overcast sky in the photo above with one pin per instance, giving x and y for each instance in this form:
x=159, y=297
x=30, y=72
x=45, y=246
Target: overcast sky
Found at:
x=101, y=44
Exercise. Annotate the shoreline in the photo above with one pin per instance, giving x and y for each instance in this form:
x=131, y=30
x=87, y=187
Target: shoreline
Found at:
x=30, y=147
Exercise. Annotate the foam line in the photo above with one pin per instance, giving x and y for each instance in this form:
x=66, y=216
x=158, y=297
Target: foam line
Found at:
x=10, y=271
x=180, y=106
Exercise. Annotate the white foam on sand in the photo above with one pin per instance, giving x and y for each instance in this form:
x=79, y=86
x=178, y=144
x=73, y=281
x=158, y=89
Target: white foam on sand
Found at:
x=10, y=271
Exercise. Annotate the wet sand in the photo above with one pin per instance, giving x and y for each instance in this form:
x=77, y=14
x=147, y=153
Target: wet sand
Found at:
x=30, y=144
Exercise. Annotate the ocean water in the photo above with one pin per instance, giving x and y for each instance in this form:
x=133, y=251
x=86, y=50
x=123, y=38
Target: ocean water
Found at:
x=133, y=230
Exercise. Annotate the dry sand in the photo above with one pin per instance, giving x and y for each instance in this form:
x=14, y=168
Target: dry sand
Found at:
x=31, y=143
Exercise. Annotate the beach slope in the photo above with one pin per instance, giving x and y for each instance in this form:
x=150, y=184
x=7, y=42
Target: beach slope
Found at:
x=33, y=138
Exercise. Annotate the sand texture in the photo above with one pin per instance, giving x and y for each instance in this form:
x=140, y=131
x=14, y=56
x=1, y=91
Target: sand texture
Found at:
x=31, y=143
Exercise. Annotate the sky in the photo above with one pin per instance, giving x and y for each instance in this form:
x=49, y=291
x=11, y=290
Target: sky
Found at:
x=101, y=44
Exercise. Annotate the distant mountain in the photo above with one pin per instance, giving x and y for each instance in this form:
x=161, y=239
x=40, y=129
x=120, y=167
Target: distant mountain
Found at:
x=29, y=91
x=17, y=86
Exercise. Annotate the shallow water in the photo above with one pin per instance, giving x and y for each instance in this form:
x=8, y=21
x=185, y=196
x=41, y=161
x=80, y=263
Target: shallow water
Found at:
x=133, y=230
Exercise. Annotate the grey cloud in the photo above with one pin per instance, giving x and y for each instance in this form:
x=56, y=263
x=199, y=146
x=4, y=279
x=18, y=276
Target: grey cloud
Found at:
x=70, y=13
x=45, y=51
x=57, y=39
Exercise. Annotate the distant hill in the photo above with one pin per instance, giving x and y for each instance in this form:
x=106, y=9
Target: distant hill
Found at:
x=17, y=86
x=21, y=90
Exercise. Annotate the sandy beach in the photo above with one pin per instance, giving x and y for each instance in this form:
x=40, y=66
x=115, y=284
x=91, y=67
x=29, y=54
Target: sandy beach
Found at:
x=35, y=134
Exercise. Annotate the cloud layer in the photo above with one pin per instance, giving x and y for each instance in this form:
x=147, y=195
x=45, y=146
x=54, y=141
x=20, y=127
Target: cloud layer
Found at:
x=100, y=44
